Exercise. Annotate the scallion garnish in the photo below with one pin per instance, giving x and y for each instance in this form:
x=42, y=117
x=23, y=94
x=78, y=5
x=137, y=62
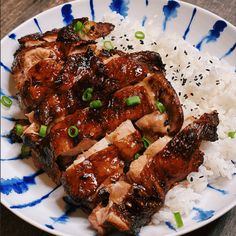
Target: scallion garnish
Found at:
x=146, y=142
x=19, y=129
x=136, y=156
x=231, y=134
x=87, y=95
x=6, y=101
x=160, y=106
x=79, y=27
x=73, y=131
x=139, y=35
x=132, y=101
x=107, y=45
x=43, y=131
x=178, y=220
x=95, y=104
x=25, y=150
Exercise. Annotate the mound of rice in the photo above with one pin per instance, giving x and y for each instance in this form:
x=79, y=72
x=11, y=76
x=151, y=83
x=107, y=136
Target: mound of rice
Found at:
x=203, y=83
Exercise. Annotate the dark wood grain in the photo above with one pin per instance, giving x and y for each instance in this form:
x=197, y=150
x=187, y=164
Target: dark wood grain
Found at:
x=15, y=12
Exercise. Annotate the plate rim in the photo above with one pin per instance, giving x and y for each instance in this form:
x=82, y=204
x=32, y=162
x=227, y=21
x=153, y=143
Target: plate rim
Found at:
x=56, y=232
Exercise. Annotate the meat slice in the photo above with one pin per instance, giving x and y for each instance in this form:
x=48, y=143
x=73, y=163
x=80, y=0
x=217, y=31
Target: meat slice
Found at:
x=91, y=30
x=93, y=70
x=100, y=165
x=146, y=190
x=172, y=119
x=94, y=124
x=82, y=180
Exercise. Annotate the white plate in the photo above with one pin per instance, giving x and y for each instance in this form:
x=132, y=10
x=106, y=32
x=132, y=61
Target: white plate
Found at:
x=33, y=197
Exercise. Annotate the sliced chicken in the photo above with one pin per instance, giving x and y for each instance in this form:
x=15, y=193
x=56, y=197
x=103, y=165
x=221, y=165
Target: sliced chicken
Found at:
x=145, y=188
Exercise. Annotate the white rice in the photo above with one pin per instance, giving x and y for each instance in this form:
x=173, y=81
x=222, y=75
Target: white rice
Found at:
x=209, y=84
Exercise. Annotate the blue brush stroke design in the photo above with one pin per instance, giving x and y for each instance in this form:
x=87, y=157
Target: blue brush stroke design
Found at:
x=170, y=226
x=144, y=20
x=229, y=51
x=66, y=12
x=170, y=11
x=69, y=209
x=10, y=118
x=35, y=202
x=18, y=185
x=5, y=67
x=12, y=36
x=38, y=26
x=92, y=9
x=213, y=34
x=217, y=189
x=9, y=140
x=146, y=1
x=49, y=226
x=190, y=22
x=4, y=94
x=120, y=6
x=202, y=215
x=14, y=158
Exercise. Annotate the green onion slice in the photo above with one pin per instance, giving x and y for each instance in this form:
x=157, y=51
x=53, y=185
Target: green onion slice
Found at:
x=178, y=220
x=73, y=131
x=136, y=156
x=107, y=45
x=19, y=129
x=139, y=35
x=43, y=131
x=79, y=27
x=95, y=104
x=231, y=134
x=87, y=95
x=146, y=142
x=160, y=106
x=25, y=150
x=132, y=101
x=6, y=101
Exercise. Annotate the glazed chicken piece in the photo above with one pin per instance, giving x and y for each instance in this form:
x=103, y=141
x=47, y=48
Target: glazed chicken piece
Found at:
x=143, y=192
x=103, y=72
x=40, y=59
x=101, y=165
x=67, y=34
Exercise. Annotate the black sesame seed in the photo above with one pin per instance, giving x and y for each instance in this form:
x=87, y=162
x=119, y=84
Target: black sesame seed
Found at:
x=141, y=42
x=201, y=176
x=207, y=69
x=171, y=66
x=191, y=179
x=191, y=94
x=127, y=39
x=175, y=48
x=179, y=93
x=167, y=55
x=130, y=47
x=155, y=43
x=211, y=61
x=185, y=52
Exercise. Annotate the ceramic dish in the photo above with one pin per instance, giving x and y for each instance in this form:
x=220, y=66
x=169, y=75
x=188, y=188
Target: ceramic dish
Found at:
x=28, y=192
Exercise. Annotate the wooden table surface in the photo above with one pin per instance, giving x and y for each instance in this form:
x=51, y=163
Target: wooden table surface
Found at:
x=13, y=13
